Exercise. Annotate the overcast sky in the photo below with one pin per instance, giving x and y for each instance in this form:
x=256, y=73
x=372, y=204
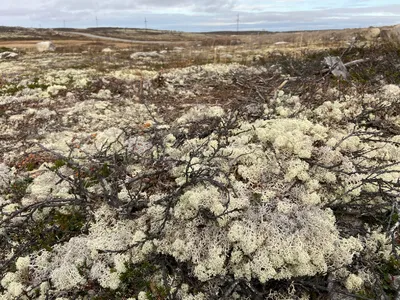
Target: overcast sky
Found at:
x=202, y=15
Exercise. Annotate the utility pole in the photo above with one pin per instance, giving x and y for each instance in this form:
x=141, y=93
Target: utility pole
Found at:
x=97, y=22
x=237, y=24
x=145, y=24
x=64, y=23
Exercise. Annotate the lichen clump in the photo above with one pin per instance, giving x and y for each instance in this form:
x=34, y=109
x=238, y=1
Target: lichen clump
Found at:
x=131, y=202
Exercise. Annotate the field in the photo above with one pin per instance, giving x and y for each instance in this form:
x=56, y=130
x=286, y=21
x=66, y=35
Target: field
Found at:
x=199, y=166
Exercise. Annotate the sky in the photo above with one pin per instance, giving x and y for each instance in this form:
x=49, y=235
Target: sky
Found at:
x=201, y=15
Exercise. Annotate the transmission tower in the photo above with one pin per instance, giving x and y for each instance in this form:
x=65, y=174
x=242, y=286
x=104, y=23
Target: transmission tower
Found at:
x=237, y=24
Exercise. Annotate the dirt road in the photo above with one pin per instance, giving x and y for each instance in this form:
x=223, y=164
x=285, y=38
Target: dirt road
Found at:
x=99, y=37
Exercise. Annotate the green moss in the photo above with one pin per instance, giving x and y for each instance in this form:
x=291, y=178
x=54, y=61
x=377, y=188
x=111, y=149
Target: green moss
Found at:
x=30, y=166
x=393, y=75
x=135, y=279
x=135, y=276
x=104, y=171
x=395, y=218
x=391, y=267
x=5, y=49
x=366, y=294
x=81, y=66
x=13, y=89
x=18, y=188
x=388, y=270
x=256, y=197
x=10, y=90
x=58, y=164
x=56, y=226
x=95, y=175
x=36, y=85
x=364, y=77
x=139, y=277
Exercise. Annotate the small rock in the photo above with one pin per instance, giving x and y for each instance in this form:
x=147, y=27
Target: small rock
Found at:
x=372, y=33
x=107, y=50
x=152, y=54
x=226, y=56
x=236, y=42
x=45, y=46
x=178, y=49
x=335, y=64
x=391, y=35
x=8, y=55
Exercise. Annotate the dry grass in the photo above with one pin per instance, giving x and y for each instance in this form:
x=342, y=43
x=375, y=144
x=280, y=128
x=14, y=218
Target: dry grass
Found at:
x=27, y=37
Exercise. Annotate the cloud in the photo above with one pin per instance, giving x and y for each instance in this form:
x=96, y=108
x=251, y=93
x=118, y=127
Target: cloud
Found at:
x=201, y=15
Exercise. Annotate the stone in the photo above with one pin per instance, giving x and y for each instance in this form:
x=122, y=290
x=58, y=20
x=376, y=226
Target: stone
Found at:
x=45, y=46
x=178, y=49
x=152, y=54
x=336, y=66
x=372, y=33
x=391, y=35
x=226, y=56
x=8, y=55
x=236, y=42
x=281, y=43
x=107, y=50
